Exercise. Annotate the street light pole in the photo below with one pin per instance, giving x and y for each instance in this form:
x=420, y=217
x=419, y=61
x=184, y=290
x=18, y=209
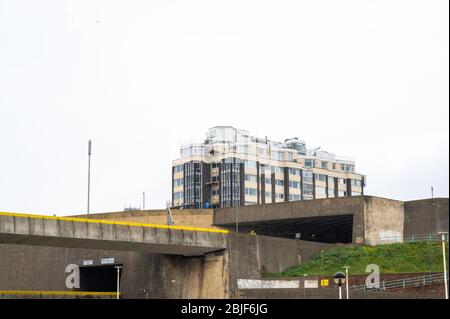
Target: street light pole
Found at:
x=339, y=278
x=118, y=281
x=346, y=280
x=89, y=173
x=143, y=201
x=445, y=264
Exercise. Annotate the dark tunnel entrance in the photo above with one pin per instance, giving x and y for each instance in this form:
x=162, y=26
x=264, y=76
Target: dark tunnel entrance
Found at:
x=325, y=229
x=99, y=278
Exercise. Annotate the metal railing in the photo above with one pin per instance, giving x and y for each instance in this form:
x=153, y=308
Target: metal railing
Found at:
x=402, y=239
x=419, y=281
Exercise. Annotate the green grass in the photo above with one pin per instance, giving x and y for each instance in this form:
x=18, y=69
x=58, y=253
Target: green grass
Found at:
x=393, y=258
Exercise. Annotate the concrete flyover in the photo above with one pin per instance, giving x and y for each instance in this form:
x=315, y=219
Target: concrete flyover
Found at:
x=355, y=219
x=39, y=230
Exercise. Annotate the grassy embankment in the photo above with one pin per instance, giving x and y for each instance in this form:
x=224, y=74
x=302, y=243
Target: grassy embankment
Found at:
x=393, y=258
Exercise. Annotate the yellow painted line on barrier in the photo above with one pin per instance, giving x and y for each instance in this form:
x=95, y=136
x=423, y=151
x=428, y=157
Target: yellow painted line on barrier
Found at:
x=66, y=293
x=98, y=221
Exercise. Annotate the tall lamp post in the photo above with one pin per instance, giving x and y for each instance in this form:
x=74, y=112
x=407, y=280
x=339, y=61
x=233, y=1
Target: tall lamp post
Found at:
x=89, y=173
x=444, y=263
x=346, y=280
x=339, y=278
x=118, y=281
x=143, y=200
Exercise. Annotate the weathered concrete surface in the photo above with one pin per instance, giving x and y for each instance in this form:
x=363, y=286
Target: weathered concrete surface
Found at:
x=324, y=220
x=180, y=217
x=252, y=255
x=301, y=291
x=67, y=232
x=427, y=292
x=427, y=216
x=144, y=275
x=147, y=275
x=383, y=219
x=289, y=210
x=359, y=219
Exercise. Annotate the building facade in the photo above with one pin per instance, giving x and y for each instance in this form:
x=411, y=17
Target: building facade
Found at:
x=231, y=168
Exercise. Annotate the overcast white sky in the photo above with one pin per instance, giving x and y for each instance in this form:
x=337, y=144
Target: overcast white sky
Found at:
x=367, y=79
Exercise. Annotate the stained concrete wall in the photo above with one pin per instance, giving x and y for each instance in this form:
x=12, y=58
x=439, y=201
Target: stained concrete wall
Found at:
x=290, y=210
x=82, y=233
x=252, y=255
x=374, y=218
x=180, y=217
x=214, y=275
x=383, y=219
x=427, y=216
x=43, y=268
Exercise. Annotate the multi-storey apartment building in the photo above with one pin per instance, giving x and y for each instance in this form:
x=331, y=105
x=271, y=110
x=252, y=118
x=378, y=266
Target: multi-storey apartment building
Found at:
x=232, y=168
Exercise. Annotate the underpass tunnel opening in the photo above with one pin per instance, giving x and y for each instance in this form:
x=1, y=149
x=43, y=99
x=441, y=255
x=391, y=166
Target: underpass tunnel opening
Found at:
x=99, y=278
x=325, y=229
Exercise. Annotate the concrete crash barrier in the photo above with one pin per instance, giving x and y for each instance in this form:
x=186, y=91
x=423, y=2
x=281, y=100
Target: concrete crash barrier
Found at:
x=267, y=284
x=40, y=230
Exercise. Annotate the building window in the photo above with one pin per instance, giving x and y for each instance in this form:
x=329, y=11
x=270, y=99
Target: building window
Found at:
x=250, y=191
x=278, y=170
x=268, y=181
x=261, y=151
x=250, y=164
x=342, y=193
x=294, y=184
x=290, y=157
x=279, y=182
x=321, y=192
x=307, y=177
x=294, y=171
x=179, y=168
x=269, y=194
x=277, y=155
x=266, y=169
x=321, y=177
x=324, y=165
x=294, y=197
x=178, y=195
x=178, y=182
x=250, y=178
x=334, y=166
x=309, y=163
x=308, y=189
x=331, y=193
x=279, y=196
x=356, y=182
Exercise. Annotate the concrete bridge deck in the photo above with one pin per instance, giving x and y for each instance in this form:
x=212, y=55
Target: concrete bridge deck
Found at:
x=40, y=230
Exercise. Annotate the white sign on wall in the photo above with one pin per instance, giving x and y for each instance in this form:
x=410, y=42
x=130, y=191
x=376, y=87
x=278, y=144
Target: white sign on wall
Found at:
x=266, y=284
x=311, y=284
x=88, y=262
x=105, y=261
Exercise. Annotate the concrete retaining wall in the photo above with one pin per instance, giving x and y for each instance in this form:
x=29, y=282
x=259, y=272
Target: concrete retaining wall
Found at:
x=428, y=216
x=144, y=275
x=252, y=255
x=383, y=219
x=180, y=217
